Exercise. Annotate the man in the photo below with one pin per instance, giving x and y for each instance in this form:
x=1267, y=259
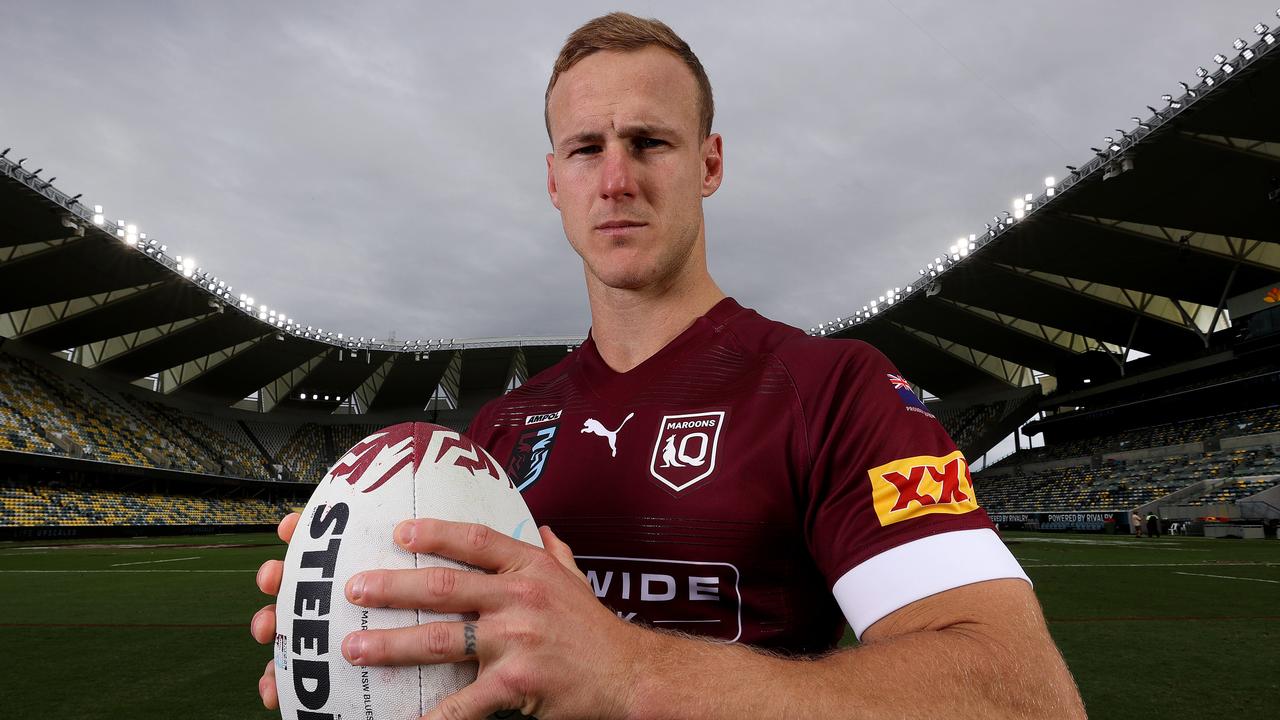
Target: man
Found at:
x=717, y=473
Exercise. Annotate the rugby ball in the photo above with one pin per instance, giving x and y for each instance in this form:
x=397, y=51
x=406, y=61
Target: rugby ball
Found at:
x=410, y=470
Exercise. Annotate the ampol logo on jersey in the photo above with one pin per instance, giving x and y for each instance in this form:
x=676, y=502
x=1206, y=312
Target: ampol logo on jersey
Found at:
x=685, y=451
x=922, y=485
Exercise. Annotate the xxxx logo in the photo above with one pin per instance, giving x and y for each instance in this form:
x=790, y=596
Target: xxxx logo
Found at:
x=922, y=485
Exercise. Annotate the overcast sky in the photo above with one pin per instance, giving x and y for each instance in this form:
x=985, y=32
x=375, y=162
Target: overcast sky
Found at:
x=376, y=167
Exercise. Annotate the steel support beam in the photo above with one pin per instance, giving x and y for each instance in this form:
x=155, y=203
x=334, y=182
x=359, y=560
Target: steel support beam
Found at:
x=96, y=353
x=179, y=375
x=448, y=393
x=24, y=322
x=368, y=390
x=1006, y=371
x=1258, y=253
x=278, y=389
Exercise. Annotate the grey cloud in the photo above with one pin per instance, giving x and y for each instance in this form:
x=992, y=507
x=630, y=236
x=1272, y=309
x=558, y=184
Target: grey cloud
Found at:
x=370, y=168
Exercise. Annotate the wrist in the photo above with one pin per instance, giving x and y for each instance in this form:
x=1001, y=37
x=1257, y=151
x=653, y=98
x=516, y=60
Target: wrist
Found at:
x=642, y=670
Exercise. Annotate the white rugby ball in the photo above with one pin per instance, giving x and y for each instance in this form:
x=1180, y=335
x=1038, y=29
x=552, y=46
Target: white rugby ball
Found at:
x=410, y=470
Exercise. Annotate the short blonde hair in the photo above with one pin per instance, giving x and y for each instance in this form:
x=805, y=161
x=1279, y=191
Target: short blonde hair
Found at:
x=622, y=32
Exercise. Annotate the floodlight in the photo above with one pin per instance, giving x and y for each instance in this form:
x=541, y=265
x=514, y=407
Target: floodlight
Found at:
x=1219, y=58
x=1202, y=73
x=1239, y=44
x=1247, y=54
x=1260, y=29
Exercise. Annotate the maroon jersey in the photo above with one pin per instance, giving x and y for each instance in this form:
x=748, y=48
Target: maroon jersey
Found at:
x=747, y=483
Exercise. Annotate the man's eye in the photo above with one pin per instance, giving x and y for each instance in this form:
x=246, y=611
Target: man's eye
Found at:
x=585, y=150
x=648, y=143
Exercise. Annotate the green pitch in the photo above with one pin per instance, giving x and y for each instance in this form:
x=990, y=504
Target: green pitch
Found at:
x=1174, y=627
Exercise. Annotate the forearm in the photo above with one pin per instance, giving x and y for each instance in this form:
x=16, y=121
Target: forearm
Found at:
x=949, y=673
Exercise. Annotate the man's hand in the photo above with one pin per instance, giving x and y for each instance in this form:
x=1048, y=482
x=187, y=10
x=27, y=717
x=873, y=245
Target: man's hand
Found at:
x=263, y=625
x=545, y=644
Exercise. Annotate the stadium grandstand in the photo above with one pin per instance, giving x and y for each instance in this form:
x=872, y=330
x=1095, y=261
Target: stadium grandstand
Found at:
x=1118, y=327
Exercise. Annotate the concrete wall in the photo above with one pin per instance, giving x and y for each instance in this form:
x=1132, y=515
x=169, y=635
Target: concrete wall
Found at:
x=1168, y=508
x=1156, y=453
x=1265, y=504
x=1248, y=441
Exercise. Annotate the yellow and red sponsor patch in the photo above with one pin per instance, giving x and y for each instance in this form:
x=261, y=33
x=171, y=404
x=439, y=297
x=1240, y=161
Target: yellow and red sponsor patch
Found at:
x=922, y=485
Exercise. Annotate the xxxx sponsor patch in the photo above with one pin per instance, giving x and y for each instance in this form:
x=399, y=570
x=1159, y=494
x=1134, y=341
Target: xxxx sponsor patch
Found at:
x=922, y=485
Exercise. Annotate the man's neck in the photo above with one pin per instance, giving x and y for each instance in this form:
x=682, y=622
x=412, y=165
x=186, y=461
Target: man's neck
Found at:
x=631, y=326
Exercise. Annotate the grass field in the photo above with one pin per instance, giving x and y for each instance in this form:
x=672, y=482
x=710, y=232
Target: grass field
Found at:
x=1165, y=628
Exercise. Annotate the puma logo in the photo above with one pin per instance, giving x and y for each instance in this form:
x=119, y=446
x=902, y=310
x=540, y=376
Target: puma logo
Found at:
x=594, y=427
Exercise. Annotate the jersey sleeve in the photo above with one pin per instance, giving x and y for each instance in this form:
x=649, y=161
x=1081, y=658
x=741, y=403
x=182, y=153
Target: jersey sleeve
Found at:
x=891, y=516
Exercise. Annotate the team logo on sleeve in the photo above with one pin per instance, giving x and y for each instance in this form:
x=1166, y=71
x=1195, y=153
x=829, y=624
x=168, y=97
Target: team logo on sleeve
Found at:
x=922, y=485
x=685, y=451
x=908, y=396
x=529, y=455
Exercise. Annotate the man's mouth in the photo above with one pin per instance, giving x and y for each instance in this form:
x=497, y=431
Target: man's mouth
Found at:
x=619, y=227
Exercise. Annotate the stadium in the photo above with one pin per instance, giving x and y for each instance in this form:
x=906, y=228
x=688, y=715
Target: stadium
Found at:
x=1105, y=349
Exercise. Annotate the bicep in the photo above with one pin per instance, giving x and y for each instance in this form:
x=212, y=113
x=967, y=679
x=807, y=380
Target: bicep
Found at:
x=1003, y=609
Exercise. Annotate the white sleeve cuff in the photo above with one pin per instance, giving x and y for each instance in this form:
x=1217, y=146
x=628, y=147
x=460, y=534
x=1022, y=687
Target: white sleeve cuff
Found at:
x=899, y=576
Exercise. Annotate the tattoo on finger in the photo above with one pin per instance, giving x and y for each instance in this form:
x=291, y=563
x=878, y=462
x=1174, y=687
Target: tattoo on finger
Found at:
x=469, y=639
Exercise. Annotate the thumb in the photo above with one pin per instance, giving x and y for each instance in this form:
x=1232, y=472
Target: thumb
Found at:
x=560, y=551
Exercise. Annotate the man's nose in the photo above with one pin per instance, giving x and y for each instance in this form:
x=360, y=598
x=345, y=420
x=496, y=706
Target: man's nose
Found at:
x=618, y=176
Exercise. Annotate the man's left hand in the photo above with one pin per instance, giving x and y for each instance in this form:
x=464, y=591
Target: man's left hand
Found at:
x=546, y=646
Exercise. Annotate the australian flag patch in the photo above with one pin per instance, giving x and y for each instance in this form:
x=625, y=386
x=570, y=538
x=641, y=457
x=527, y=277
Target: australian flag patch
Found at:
x=909, y=399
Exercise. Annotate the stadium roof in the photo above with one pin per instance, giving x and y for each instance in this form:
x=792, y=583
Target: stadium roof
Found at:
x=1137, y=249
x=1134, y=252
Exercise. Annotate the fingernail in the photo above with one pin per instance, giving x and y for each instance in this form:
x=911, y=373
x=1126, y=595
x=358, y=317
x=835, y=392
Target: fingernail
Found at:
x=357, y=587
x=353, y=647
x=405, y=533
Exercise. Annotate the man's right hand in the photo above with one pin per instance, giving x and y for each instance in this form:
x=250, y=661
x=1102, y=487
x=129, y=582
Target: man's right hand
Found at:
x=263, y=624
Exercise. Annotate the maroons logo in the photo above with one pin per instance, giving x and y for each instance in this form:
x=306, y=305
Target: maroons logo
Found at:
x=378, y=458
x=685, y=451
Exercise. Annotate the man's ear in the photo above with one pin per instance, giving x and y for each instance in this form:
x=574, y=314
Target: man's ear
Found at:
x=551, y=181
x=712, y=164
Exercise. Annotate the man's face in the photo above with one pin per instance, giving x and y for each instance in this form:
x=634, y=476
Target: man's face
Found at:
x=629, y=167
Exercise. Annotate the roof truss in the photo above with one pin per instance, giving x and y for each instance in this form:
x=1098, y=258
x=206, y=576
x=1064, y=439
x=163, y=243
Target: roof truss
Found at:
x=23, y=322
x=176, y=377
x=1065, y=339
x=1008, y=372
x=368, y=389
x=1256, y=148
x=96, y=353
x=277, y=389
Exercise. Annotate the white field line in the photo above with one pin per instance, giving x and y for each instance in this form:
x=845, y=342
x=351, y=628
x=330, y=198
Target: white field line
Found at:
x=117, y=572
x=1149, y=565
x=1132, y=545
x=150, y=562
x=1228, y=577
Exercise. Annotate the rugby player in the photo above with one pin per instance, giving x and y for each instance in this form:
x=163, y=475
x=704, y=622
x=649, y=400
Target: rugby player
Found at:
x=734, y=490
